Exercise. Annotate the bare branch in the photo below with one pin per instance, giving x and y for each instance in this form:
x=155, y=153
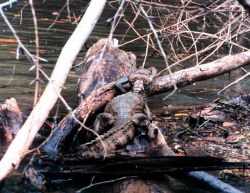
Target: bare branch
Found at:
x=202, y=72
x=26, y=134
x=36, y=62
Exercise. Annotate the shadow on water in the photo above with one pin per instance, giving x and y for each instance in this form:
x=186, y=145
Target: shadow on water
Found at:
x=15, y=76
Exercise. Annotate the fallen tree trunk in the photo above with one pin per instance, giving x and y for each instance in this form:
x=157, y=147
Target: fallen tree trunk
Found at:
x=104, y=63
x=198, y=73
x=20, y=145
x=160, y=84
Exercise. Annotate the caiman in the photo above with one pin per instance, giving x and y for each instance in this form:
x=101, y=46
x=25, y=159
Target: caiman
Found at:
x=123, y=115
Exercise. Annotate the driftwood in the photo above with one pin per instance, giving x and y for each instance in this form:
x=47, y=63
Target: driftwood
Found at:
x=11, y=120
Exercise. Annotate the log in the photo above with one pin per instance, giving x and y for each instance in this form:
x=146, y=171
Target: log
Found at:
x=188, y=76
x=214, y=182
x=11, y=119
x=114, y=167
x=90, y=105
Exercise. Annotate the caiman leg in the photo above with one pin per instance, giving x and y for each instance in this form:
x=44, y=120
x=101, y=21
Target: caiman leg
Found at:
x=152, y=131
x=103, y=122
x=140, y=120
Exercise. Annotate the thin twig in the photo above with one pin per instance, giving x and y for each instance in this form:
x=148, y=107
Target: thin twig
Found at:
x=20, y=44
x=158, y=43
x=110, y=37
x=36, y=62
x=146, y=53
x=234, y=82
x=58, y=15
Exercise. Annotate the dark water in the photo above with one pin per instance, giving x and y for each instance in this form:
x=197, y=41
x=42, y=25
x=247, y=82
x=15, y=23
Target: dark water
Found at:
x=15, y=76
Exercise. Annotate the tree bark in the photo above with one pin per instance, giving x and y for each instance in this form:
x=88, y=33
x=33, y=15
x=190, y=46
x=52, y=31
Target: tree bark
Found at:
x=113, y=64
x=26, y=134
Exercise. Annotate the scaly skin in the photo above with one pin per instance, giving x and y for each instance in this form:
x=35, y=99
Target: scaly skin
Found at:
x=123, y=114
x=126, y=109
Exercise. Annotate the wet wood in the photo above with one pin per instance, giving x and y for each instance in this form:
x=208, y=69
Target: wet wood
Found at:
x=45, y=171
x=104, y=63
x=11, y=120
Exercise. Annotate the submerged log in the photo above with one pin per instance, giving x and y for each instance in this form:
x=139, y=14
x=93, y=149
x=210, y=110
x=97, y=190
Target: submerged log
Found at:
x=11, y=120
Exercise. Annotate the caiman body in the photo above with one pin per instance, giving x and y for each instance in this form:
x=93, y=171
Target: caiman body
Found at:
x=123, y=117
x=127, y=112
